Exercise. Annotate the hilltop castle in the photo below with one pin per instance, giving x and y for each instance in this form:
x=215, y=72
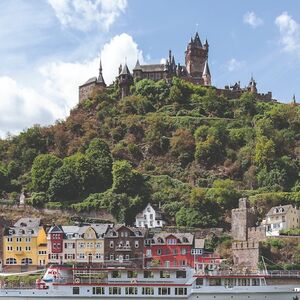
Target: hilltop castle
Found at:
x=195, y=70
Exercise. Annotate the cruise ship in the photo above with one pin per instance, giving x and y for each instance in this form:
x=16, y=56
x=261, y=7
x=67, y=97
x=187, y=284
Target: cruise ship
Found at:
x=81, y=283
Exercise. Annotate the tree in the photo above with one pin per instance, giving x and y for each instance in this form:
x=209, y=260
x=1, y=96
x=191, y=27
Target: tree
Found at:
x=42, y=170
x=98, y=154
x=264, y=151
x=183, y=144
x=64, y=185
x=3, y=178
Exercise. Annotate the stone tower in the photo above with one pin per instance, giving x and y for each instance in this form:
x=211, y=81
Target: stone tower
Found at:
x=206, y=75
x=195, y=57
x=241, y=219
x=252, y=86
x=125, y=80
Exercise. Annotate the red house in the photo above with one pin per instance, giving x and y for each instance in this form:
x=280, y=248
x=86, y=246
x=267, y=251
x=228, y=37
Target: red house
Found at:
x=56, y=236
x=169, y=250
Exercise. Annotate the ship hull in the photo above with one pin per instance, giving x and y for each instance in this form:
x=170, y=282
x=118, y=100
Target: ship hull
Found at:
x=203, y=293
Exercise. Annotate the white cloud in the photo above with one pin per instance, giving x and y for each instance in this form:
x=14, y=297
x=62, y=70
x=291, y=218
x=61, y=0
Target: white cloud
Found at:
x=87, y=14
x=289, y=33
x=252, y=19
x=62, y=79
x=234, y=65
x=21, y=107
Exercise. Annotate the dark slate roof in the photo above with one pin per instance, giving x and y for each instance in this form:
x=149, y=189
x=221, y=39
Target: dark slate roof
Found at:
x=137, y=66
x=281, y=209
x=197, y=40
x=153, y=68
x=125, y=70
x=206, y=70
x=93, y=79
x=182, y=238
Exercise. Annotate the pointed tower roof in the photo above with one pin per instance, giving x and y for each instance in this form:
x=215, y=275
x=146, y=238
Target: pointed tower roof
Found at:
x=125, y=70
x=206, y=70
x=197, y=40
x=137, y=65
x=100, y=77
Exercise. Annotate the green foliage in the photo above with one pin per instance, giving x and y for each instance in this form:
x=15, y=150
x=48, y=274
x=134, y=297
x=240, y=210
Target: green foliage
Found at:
x=38, y=199
x=42, y=170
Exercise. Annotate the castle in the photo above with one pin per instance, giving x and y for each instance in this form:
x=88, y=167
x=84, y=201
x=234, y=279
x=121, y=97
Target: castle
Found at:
x=195, y=70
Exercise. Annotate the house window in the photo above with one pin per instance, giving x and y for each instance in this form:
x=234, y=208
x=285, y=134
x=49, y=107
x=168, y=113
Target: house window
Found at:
x=151, y=216
x=127, y=257
x=81, y=256
x=11, y=261
x=19, y=239
x=9, y=239
x=98, y=256
x=98, y=290
x=111, y=257
x=9, y=248
x=26, y=261
x=158, y=251
x=183, y=251
x=111, y=244
x=28, y=248
x=81, y=245
x=28, y=240
x=136, y=244
x=148, y=253
x=19, y=248
x=98, y=245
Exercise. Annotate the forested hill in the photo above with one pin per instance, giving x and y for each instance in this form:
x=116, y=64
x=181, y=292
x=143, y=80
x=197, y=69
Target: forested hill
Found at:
x=178, y=145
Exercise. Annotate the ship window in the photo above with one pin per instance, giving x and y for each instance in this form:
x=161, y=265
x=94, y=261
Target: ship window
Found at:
x=255, y=281
x=215, y=282
x=148, y=274
x=131, y=290
x=115, y=290
x=180, y=291
x=98, y=290
x=180, y=274
x=148, y=291
x=76, y=290
x=164, y=274
x=132, y=274
x=164, y=291
x=116, y=274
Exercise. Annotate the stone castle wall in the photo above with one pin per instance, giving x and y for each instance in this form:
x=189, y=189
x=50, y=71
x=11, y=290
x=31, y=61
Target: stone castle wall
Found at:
x=257, y=233
x=246, y=254
x=236, y=94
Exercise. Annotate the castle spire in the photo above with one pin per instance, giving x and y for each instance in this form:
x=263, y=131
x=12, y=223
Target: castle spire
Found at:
x=137, y=65
x=206, y=74
x=197, y=40
x=100, y=77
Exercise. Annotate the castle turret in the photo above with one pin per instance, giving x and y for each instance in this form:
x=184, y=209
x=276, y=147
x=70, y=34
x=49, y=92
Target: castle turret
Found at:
x=195, y=58
x=125, y=80
x=206, y=75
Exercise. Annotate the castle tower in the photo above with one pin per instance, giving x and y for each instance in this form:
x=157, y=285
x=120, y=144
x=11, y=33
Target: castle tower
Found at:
x=206, y=75
x=195, y=57
x=241, y=219
x=125, y=80
x=252, y=86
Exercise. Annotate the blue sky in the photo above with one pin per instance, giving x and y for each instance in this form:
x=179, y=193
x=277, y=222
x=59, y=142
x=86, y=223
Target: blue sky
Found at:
x=49, y=47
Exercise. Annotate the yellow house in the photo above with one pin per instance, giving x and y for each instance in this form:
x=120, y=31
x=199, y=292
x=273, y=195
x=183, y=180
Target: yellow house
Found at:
x=25, y=245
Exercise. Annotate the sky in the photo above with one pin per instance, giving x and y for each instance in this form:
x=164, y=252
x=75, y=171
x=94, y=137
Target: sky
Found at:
x=49, y=47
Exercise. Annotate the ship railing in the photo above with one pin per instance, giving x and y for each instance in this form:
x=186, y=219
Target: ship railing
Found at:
x=229, y=273
x=284, y=273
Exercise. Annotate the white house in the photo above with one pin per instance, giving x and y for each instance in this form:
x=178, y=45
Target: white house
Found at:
x=149, y=217
x=281, y=217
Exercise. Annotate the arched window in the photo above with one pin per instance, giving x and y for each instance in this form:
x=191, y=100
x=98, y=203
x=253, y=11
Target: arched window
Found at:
x=26, y=261
x=11, y=261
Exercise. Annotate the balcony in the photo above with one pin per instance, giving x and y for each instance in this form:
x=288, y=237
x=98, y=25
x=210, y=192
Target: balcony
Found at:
x=123, y=248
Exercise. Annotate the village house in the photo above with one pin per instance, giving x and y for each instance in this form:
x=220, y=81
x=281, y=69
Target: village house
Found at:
x=77, y=244
x=281, y=217
x=124, y=246
x=169, y=250
x=149, y=218
x=25, y=245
